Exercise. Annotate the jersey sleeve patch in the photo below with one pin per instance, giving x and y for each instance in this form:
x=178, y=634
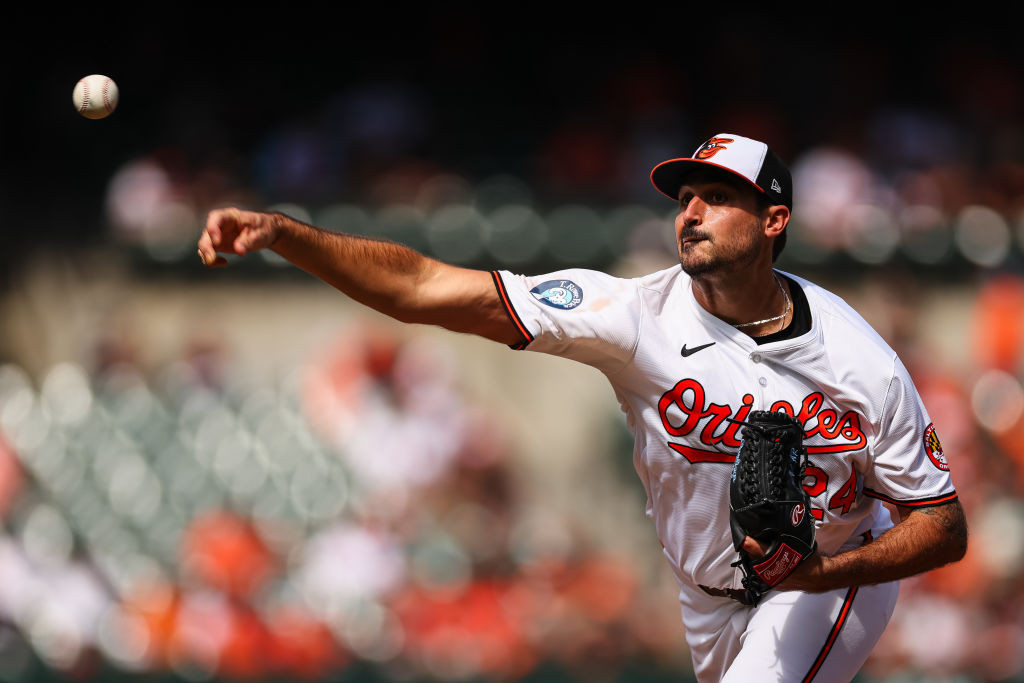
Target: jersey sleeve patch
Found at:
x=934, y=449
x=553, y=315
x=513, y=316
x=916, y=502
x=564, y=294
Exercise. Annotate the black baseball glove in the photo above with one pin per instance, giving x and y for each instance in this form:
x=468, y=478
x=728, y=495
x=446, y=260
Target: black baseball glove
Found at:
x=767, y=501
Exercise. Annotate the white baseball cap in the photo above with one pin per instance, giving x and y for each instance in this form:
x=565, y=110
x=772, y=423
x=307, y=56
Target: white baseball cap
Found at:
x=749, y=159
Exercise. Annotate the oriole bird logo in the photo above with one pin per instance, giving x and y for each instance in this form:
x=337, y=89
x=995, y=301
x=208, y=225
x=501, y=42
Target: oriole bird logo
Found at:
x=712, y=147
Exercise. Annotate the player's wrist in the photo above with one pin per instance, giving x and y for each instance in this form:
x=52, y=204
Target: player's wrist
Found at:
x=280, y=227
x=818, y=577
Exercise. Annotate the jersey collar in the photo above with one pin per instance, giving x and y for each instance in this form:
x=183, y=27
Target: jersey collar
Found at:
x=727, y=331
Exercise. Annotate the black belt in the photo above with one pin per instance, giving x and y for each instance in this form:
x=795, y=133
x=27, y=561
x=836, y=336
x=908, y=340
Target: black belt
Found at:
x=736, y=594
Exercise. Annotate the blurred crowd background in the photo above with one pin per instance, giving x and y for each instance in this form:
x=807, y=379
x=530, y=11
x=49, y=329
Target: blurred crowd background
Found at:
x=241, y=475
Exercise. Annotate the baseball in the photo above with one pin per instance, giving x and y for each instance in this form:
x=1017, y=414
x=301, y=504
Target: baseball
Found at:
x=95, y=96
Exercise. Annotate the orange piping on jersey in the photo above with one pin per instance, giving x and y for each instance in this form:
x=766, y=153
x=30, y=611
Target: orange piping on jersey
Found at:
x=833, y=634
x=500, y=286
x=922, y=502
x=697, y=455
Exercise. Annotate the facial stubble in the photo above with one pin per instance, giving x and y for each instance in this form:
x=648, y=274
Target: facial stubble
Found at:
x=739, y=257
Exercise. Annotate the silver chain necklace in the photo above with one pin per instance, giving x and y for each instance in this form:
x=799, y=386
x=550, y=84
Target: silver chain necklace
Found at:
x=789, y=305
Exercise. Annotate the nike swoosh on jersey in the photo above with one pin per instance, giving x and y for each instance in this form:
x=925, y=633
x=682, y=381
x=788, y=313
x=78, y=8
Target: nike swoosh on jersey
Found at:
x=689, y=352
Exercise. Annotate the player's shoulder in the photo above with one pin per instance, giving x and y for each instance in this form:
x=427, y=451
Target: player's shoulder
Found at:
x=657, y=287
x=842, y=326
x=663, y=281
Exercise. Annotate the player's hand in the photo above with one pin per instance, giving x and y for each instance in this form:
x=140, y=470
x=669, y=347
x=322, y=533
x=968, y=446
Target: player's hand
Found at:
x=233, y=231
x=806, y=577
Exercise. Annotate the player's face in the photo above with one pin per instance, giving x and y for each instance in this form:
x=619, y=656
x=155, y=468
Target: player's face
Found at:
x=718, y=228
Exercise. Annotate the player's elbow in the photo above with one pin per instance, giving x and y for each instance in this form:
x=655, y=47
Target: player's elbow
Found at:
x=954, y=526
x=944, y=527
x=958, y=544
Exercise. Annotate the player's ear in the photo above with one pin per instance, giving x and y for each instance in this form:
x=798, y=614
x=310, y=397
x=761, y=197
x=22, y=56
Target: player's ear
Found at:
x=775, y=219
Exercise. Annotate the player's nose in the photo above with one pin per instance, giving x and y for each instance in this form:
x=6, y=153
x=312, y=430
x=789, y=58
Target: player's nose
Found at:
x=691, y=214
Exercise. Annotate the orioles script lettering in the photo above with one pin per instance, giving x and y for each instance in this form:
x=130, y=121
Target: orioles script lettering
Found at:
x=684, y=408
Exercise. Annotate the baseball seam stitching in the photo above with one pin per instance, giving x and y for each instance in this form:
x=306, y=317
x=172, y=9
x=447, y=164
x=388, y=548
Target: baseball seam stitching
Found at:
x=85, y=96
x=106, y=102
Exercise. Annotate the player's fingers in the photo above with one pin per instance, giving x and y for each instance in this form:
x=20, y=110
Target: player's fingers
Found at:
x=234, y=231
x=208, y=248
x=753, y=547
x=207, y=254
x=247, y=241
x=258, y=234
x=213, y=225
x=223, y=225
x=212, y=260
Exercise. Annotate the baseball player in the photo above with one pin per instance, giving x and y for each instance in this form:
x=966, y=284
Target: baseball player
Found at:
x=690, y=351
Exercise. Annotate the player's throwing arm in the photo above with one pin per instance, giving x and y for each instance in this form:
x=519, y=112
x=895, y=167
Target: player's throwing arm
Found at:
x=385, y=276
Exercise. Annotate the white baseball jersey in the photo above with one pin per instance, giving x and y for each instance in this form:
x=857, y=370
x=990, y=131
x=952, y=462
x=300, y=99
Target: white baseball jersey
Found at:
x=679, y=372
